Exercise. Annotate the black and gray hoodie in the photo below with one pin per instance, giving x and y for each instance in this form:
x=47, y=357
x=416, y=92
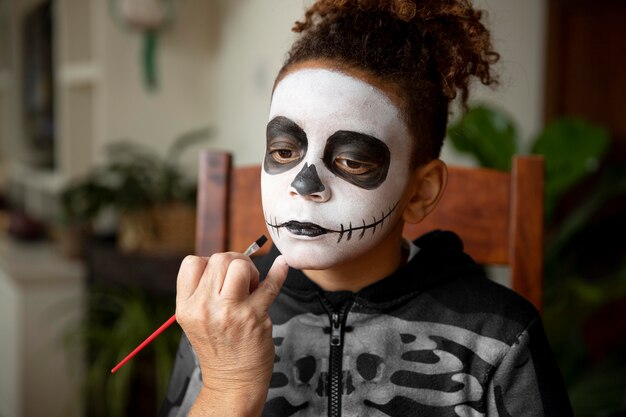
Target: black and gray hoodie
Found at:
x=436, y=338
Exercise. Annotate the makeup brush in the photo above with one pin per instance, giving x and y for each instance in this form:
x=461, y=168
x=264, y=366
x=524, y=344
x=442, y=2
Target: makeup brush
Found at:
x=251, y=249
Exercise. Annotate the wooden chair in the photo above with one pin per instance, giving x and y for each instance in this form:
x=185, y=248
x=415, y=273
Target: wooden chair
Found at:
x=498, y=215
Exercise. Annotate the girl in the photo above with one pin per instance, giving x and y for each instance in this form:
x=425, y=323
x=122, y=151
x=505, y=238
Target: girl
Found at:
x=367, y=324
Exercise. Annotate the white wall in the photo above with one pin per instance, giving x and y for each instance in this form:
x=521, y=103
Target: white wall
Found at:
x=519, y=34
x=255, y=35
x=253, y=40
x=185, y=68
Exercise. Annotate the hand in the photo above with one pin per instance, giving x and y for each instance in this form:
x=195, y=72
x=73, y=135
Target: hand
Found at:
x=224, y=313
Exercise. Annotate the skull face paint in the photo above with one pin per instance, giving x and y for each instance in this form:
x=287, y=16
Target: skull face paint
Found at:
x=336, y=167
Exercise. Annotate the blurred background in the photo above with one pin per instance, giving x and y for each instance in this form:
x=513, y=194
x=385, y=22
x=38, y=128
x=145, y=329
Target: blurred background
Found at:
x=104, y=105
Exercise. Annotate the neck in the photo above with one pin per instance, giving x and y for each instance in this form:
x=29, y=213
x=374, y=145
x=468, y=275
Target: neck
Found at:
x=364, y=270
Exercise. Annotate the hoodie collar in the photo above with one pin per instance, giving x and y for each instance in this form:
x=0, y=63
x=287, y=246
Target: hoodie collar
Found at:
x=440, y=259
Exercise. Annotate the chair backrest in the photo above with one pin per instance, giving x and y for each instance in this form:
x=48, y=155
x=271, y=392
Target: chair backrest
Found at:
x=498, y=215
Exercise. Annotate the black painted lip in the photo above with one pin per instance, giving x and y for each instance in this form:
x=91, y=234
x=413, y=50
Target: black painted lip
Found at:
x=304, y=229
x=312, y=230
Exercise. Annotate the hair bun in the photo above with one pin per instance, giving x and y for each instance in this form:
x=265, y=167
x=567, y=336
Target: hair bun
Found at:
x=460, y=43
x=400, y=9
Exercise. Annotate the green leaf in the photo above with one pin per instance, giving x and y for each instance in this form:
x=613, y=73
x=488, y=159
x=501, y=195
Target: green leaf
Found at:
x=487, y=134
x=186, y=141
x=601, y=391
x=572, y=149
x=610, y=185
x=117, y=320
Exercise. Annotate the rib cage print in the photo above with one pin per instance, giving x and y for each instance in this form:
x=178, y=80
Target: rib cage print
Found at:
x=391, y=367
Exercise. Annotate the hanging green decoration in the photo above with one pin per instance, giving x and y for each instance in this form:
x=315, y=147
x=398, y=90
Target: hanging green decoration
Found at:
x=149, y=57
x=151, y=17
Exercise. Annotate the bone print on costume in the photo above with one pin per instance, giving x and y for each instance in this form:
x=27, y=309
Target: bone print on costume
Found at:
x=429, y=366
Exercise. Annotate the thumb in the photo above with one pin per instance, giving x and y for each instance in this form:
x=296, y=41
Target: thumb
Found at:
x=270, y=287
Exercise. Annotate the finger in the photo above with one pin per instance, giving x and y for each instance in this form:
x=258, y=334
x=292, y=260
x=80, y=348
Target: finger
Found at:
x=239, y=278
x=215, y=272
x=270, y=287
x=189, y=274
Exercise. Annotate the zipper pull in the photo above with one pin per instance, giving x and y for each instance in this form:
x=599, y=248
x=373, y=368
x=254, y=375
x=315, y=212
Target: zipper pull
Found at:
x=335, y=330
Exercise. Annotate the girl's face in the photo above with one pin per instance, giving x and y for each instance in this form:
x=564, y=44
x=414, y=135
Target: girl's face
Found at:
x=336, y=168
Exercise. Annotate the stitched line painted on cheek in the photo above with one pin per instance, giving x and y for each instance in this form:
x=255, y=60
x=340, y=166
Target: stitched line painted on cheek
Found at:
x=313, y=230
x=365, y=227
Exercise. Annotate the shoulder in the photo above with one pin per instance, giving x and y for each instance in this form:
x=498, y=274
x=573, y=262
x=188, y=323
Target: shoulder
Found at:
x=458, y=291
x=477, y=301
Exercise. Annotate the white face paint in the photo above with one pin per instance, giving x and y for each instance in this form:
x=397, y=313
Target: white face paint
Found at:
x=336, y=166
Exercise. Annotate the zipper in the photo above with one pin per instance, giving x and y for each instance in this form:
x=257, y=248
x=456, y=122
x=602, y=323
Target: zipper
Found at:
x=335, y=363
x=335, y=329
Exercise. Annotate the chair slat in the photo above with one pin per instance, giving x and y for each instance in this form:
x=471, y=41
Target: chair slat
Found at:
x=498, y=215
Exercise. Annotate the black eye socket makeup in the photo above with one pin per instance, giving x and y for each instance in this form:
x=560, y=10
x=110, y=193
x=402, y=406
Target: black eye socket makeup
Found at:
x=357, y=158
x=286, y=145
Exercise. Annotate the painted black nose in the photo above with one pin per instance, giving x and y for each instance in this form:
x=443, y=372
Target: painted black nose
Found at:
x=307, y=181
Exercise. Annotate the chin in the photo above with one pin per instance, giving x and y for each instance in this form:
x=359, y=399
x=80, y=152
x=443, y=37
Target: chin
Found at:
x=315, y=254
x=298, y=262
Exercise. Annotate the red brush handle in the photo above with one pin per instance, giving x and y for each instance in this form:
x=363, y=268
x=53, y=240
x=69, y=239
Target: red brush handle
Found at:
x=256, y=245
x=145, y=343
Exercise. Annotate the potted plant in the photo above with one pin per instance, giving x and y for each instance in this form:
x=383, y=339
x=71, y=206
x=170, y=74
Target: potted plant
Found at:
x=152, y=197
x=153, y=200
x=116, y=320
x=584, y=273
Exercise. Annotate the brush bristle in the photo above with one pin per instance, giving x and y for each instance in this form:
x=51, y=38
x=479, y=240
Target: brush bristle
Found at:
x=261, y=241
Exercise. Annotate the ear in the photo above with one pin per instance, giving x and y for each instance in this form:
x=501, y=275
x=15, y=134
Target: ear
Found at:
x=429, y=181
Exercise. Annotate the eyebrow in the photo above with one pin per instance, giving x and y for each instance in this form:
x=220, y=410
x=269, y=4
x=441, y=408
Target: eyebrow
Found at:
x=281, y=125
x=347, y=135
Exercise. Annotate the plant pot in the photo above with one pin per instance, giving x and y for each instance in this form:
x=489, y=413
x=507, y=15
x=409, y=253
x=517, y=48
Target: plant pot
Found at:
x=160, y=230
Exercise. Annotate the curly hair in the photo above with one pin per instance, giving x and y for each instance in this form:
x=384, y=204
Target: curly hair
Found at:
x=423, y=51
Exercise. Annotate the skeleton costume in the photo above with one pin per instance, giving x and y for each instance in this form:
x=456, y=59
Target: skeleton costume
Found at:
x=436, y=338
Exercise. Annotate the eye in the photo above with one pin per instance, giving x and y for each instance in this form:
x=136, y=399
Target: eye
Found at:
x=353, y=167
x=283, y=152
